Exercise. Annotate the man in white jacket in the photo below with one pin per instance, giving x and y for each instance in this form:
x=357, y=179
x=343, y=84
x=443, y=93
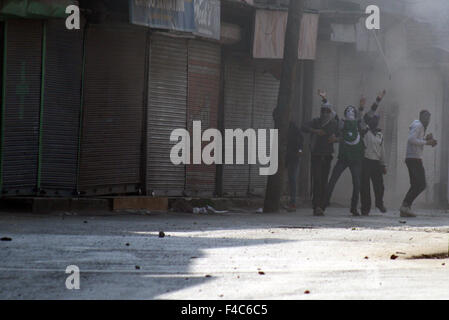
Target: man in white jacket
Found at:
x=417, y=139
x=373, y=167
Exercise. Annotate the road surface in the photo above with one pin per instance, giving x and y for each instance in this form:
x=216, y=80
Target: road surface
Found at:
x=240, y=255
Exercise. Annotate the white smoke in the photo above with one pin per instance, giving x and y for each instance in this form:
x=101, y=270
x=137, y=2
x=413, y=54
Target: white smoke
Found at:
x=434, y=12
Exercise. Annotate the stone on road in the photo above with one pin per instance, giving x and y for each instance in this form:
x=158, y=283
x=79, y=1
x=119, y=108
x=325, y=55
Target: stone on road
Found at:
x=226, y=256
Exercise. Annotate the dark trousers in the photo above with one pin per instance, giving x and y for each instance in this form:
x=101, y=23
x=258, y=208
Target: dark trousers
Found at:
x=321, y=166
x=417, y=180
x=292, y=169
x=355, y=166
x=372, y=171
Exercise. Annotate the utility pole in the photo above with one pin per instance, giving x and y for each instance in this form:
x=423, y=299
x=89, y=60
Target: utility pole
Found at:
x=285, y=101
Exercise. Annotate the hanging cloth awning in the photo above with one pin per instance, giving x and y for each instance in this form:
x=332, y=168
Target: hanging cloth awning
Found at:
x=35, y=9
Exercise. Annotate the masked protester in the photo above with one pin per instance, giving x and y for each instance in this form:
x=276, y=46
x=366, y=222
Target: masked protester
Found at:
x=373, y=166
x=323, y=131
x=351, y=151
x=417, y=139
x=294, y=152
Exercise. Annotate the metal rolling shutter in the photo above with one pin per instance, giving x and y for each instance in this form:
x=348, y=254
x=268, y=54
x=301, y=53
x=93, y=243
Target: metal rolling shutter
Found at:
x=203, y=97
x=61, y=111
x=239, y=85
x=266, y=90
x=22, y=107
x=111, y=146
x=167, y=111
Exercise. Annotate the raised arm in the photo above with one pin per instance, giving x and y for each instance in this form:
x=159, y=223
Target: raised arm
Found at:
x=379, y=99
x=373, y=109
x=375, y=105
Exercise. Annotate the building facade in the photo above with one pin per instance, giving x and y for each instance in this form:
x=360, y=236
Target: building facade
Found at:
x=90, y=112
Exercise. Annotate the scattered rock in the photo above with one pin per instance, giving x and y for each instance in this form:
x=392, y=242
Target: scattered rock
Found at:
x=85, y=221
x=6, y=239
x=161, y=234
x=403, y=222
x=261, y=273
x=193, y=257
x=127, y=244
x=394, y=257
x=307, y=292
x=208, y=276
x=366, y=258
x=137, y=267
x=443, y=264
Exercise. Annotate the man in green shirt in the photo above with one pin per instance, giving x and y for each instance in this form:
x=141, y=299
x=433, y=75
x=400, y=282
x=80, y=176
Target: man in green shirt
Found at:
x=351, y=150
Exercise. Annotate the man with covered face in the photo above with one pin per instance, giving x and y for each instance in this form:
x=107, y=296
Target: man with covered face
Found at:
x=352, y=149
x=323, y=130
x=417, y=139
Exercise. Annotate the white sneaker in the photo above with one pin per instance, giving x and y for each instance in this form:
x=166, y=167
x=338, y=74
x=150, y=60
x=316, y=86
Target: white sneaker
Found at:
x=406, y=212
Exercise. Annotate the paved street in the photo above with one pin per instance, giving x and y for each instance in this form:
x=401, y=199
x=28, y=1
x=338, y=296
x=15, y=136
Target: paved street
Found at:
x=242, y=255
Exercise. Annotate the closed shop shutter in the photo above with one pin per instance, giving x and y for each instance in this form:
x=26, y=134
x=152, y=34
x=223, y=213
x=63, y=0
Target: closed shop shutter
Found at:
x=61, y=112
x=167, y=111
x=21, y=107
x=238, y=105
x=111, y=145
x=203, y=97
x=266, y=90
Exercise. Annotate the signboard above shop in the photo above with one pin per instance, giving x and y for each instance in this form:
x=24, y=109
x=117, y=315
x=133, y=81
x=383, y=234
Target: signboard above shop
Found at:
x=200, y=17
x=207, y=18
x=35, y=9
x=269, y=35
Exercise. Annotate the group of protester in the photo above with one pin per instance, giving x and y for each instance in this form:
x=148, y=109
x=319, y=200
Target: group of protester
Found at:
x=361, y=149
